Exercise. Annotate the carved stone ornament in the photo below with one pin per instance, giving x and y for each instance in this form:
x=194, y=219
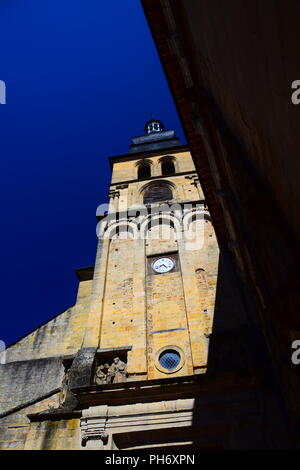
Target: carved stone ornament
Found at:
x=116, y=372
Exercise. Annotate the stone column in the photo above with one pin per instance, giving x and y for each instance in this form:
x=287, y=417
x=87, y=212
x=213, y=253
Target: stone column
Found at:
x=122, y=201
x=113, y=200
x=198, y=186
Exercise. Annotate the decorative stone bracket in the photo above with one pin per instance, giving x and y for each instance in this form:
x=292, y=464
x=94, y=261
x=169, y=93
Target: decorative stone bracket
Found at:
x=93, y=424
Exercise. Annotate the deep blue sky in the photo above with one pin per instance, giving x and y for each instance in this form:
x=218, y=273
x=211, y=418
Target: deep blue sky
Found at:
x=82, y=77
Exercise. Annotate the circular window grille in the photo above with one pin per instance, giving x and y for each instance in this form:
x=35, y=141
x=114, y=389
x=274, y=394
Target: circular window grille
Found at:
x=169, y=359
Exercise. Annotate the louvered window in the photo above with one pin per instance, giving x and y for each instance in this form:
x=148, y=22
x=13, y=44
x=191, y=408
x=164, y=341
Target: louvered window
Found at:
x=157, y=193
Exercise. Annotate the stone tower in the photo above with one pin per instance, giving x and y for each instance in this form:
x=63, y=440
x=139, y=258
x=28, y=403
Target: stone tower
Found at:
x=154, y=282
x=157, y=351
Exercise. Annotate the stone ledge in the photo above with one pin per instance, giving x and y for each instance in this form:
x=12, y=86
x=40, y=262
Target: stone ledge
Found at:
x=54, y=415
x=169, y=388
x=85, y=274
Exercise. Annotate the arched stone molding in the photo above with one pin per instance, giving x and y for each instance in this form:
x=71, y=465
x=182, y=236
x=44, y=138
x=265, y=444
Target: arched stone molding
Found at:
x=122, y=227
x=194, y=228
x=161, y=219
x=195, y=213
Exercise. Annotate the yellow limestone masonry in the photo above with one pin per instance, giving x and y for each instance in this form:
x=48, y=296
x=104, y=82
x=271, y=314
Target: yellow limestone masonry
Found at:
x=125, y=304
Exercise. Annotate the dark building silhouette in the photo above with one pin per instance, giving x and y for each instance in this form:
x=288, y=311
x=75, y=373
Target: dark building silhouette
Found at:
x=230, y=66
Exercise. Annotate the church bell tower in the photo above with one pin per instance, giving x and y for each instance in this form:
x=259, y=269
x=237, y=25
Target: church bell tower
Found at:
x=157, y=260
x=153, y=294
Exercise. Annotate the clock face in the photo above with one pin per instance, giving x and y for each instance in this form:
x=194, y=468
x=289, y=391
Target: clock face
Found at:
x=163, y=265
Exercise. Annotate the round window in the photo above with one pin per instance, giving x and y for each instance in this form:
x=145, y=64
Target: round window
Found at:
x=169, y=359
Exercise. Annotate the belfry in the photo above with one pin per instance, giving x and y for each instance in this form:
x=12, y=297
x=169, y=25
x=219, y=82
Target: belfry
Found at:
x=158, y=350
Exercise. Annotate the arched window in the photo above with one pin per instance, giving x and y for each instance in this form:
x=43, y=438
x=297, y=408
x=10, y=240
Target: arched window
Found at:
x=158, y=192
x=144, y=169
x=167, y=166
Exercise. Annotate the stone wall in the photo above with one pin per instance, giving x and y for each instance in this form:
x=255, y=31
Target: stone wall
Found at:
x=34, y=365
x=62, y=335
x=25, y=381
x=14, y=427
